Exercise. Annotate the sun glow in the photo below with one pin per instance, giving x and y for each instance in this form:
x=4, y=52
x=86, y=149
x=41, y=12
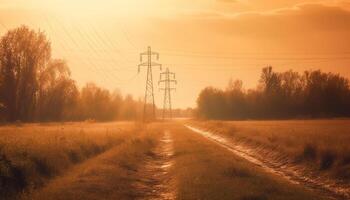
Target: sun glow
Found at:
x=192, y=36
x=87, y=7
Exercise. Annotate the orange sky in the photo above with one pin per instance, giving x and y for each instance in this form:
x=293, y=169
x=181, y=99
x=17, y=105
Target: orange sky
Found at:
x=205, y=42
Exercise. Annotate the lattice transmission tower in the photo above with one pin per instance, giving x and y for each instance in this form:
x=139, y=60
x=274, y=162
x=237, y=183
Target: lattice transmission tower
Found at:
x=167, y=78
x=149, y=110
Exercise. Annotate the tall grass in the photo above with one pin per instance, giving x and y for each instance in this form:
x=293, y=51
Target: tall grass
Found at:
x=111, y=175
x=204, y=170
x=32, y=154
x=323, y=144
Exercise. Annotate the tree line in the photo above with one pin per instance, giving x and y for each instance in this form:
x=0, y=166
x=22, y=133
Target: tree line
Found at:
x=279, y=95
x=36, y=87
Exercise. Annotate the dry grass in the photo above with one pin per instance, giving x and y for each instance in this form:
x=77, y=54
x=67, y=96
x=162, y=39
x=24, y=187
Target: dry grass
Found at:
x=111, y=175
x=30, y=155
x=204, y=170
x=323, y=144
x=47, y=159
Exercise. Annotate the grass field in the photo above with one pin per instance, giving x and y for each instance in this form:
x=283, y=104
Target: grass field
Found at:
x=128, y=161
x=32, y=154
x=110, y=175
x=322, y=144
x=205, y=170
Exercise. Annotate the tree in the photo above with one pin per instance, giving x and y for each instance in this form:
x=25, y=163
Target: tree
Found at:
x=291, y=93
x=236, y=101
x=279, y=95
x=35, y=87
x=326, y=93
x=212, y=104
x=270, y=81
x=24, y=54
x=57, y=95
x=270, y=84
x=95, y=103
x=129, y=108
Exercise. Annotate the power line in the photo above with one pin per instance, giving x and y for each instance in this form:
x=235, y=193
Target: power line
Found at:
x=87, y=60
x=149, y=111
x=215, y=53
x=91, y=49
x=107, y=44
x=255, y=58
x=167, y=78
x=92, y=42
x=126, y=34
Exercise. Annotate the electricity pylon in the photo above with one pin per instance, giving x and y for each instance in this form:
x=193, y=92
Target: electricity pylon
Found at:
x=149, y=110
x=167, y=78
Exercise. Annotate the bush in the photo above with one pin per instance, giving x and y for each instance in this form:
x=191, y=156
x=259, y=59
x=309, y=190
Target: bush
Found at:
x=310, y=152
x=11, y=177
x=327, y=159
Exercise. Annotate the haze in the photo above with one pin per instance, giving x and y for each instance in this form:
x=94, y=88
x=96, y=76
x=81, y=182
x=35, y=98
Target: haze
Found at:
x=204, y=42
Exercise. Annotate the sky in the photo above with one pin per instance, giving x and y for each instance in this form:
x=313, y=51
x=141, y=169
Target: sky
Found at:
x=205, y=42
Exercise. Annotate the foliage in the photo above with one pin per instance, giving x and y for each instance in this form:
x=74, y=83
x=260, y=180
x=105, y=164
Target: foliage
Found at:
x=36, y=87
x=31, y=155
x=279, y=95
x=320, y=145
x=24, y=55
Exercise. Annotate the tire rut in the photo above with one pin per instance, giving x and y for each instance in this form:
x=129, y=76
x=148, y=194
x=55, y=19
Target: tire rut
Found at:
x=155, y=181
x=292, y=173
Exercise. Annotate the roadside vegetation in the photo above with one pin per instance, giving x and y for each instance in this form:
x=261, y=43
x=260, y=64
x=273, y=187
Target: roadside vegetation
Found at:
x=114, y=174
x=279, y=95
x=31, y=155
x=205, y=170
x=320, y=144
x=107, y=161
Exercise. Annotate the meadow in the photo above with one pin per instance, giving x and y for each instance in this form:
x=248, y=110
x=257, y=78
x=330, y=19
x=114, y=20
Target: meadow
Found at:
x=196, y=169
x=320, y=144
x=114, y=174
x=126, y=160
x=205, y=170
x=32, y=154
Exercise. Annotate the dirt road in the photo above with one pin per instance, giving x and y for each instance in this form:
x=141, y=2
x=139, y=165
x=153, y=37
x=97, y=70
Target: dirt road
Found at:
x=291, y=173
x=170, y=161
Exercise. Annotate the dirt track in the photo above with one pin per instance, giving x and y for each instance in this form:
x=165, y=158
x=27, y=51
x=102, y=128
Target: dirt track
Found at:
x=289, y=172
x=169, y=161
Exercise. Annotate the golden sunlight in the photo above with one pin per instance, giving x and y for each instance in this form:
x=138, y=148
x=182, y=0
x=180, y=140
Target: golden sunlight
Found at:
x=174, y=99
